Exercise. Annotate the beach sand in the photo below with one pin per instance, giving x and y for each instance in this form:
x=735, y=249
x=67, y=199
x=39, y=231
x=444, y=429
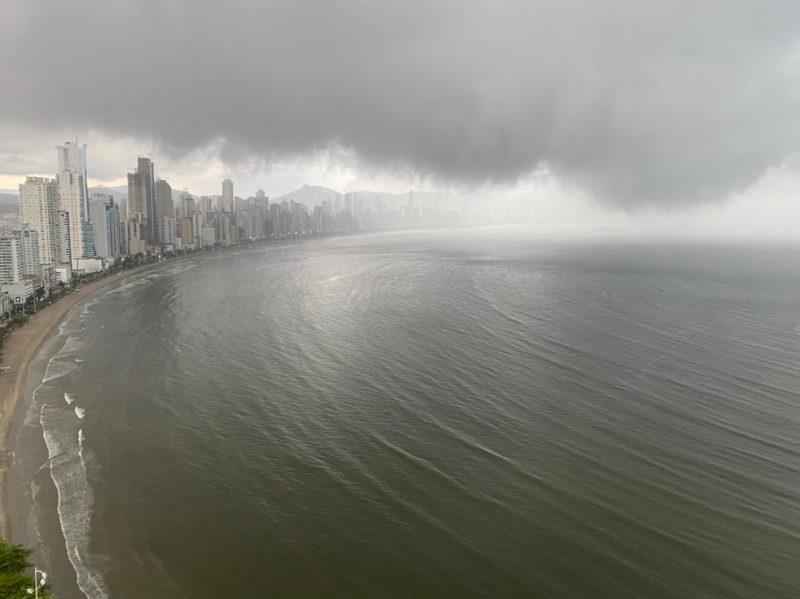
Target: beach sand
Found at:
x=20, y=347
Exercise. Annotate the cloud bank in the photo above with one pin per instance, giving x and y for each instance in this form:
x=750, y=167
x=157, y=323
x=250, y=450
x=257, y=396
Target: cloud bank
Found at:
x=648, y=103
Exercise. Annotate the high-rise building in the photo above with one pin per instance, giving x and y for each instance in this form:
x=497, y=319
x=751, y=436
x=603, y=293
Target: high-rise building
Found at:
x=205, y=207
x=88, y=236
x=134, y=234
x=71, y=189
x=73, y=196
x=63, y=245
x=164, y=209
x=106, y=226
x=38, y=204
x=167, y=229
x=187, y=205
x=72, y=158
x=209, y=235
x=123, y=228
x=142, y=198
x=227, y=195
x=197, y=229
x=186, y=232
x=29, y=247
x=10, y=259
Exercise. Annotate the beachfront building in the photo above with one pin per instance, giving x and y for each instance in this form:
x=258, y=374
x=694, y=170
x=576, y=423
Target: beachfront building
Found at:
x=63, y=248
x=227, y=196
x=72, y=159
x=142, y=200
x=29, y=248
x=6, y=306
x=38, y=205
x=165, y=213
x=10, y=259
x=18, y=288
x=105, y=226
x=71, y=190
x=135, y=234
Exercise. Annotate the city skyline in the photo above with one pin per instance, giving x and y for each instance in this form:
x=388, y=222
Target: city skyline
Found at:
x=66, y=231
x=767, y=209
x=399, y=299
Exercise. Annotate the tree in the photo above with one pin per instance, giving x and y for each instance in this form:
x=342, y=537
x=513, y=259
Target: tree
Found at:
x=14, y=582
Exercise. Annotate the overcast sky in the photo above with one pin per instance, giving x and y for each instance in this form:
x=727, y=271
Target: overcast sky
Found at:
x=652, y=107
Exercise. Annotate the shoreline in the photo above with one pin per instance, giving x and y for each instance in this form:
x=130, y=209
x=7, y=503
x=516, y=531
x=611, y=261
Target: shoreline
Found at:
x=20, y=348
x=23, y=344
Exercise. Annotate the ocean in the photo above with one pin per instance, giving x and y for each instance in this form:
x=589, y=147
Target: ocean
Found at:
x=471, y=413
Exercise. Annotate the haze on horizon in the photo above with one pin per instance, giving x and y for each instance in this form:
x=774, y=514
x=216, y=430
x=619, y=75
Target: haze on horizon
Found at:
x=666, y=112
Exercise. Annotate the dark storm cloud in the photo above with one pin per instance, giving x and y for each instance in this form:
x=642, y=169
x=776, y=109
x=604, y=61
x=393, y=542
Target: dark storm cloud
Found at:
x=652, y=101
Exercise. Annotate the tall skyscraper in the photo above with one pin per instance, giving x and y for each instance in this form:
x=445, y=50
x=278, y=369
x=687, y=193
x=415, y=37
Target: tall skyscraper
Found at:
x=63, y=246
x=123, y=228
x=71, y=190
x=205, y=206
x=72, y=158
x=38, y=203
x=73, y=196
x=142, y=198
x=227, y=195
x=187, y=205
x=164, y=210
x=106, y=226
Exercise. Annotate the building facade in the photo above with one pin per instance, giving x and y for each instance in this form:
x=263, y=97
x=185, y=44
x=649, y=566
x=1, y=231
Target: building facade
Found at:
x=71, y=189
x=142, y=198
x=29, y=247
x=106, y=226
x=38, y=204
x=227, y=195
x=10, y=259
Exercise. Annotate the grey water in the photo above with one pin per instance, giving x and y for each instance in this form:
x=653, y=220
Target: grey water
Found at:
x=484, y=413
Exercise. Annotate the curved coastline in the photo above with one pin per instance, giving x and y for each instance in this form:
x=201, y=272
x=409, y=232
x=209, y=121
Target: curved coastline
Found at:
x=21, y=347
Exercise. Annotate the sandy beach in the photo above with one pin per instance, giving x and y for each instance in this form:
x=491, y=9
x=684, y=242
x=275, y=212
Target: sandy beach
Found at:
x=21, y=346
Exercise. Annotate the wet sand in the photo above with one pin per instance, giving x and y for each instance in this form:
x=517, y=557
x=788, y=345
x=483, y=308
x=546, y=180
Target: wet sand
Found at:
x=20, y=347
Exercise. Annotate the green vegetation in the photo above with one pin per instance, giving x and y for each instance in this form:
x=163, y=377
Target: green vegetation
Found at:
x=20, y=319
x=14, y=582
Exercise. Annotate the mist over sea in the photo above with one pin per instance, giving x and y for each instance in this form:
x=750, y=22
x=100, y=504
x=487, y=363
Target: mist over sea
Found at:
x=425, y=414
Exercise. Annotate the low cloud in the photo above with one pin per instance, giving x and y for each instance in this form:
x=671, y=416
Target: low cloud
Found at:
x=659, y=103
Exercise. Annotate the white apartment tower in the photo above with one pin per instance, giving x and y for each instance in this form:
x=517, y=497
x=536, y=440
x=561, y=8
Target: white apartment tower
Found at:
x=62, y=248
x=10, y=260
x=73, y=192
x=106, y=226
x=71, y=200
x=29, y=247
x=38, y=206
x=72, y=158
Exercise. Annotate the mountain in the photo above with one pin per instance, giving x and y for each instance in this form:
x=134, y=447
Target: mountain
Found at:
x=120, y=192
x=310, y=195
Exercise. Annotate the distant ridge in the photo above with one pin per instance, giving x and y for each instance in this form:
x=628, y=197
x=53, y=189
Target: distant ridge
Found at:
x=120, y=192
x=311, y=195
